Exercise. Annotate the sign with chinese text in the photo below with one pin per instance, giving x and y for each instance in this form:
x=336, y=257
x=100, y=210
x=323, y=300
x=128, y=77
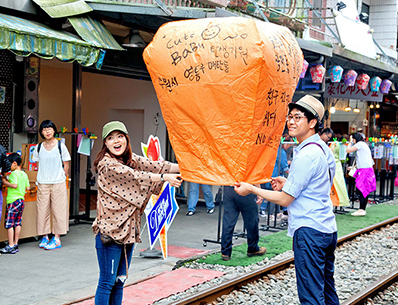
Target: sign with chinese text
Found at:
x=339, y=90
x=223, y=85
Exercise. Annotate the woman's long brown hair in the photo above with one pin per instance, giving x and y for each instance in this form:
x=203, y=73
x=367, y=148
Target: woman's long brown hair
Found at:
x=125, y=158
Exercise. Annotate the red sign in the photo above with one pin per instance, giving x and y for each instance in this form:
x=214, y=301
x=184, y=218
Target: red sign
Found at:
x=339, y=90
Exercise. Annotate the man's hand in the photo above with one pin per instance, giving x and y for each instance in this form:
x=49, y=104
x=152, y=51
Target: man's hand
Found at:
x=277, y=183
x=243, y=188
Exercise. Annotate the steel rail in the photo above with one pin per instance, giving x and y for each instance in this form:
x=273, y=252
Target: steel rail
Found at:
x=211, y=294
x=373, y=289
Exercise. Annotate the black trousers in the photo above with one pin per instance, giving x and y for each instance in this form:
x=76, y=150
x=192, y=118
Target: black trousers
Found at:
x=233, y=205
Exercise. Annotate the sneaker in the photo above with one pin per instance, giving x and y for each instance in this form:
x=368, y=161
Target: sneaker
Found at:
x=225, y=257
x=360, y=212
x=53, y=244
x=210, y=211
x=262, y=213
x=8, y=250
x=43, y=243
x=190, y=213
x=16, y=248
x=260, y=252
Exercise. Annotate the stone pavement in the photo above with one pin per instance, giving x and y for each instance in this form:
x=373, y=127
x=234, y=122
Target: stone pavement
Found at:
x=36, y=276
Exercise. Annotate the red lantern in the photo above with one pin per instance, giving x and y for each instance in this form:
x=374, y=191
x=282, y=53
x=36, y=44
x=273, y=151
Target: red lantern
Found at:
x=363, y=81
x=317, y=73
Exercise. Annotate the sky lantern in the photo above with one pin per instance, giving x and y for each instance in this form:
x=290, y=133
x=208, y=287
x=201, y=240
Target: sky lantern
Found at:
x=363, y=81
x=350, y=78
x=317, y=73
x=335, y=73
x=304, y=69
x=375, y=83
x=385, y=86
x=224, y=85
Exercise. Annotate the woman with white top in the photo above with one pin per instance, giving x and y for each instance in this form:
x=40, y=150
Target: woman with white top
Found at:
x=365, y=179
x=52, y=200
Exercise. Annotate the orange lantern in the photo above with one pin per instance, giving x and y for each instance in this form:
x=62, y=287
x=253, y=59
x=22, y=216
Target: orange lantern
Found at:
x=223, y=85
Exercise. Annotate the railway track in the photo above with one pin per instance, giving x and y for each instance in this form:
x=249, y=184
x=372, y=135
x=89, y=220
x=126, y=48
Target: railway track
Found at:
x=212, y=294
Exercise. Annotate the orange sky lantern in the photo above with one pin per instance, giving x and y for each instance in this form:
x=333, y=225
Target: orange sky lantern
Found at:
x=223, y=85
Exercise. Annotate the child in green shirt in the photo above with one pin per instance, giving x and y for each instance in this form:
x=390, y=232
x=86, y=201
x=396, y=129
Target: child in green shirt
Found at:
x=18, y=183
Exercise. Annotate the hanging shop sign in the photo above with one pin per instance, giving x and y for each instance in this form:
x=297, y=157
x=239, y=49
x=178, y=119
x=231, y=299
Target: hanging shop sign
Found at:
x=339, y=90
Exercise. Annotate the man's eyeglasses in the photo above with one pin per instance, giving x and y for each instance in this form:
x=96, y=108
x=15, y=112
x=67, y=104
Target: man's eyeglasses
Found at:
x=295, y=117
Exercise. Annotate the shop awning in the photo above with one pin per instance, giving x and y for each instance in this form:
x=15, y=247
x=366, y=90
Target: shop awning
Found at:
x=94, y=32
x=63, y=8
x=25, y=37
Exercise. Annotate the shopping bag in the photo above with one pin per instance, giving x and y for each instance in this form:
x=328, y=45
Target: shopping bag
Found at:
x=352, y=171
x=353, y=168
x=334, y=196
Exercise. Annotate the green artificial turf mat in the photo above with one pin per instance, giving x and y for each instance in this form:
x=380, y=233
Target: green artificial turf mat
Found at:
x=279, y=242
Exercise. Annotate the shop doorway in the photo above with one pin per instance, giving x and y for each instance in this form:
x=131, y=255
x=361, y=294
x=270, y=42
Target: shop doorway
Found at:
x=342, y=126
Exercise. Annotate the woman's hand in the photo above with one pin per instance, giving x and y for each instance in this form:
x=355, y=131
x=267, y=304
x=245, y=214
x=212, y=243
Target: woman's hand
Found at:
x=277, y=183
x=259, y=199
x=174, y=179
x=243, y=188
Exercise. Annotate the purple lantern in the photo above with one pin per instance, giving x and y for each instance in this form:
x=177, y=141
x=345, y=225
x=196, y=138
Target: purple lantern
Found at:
x=363, y=81
x=304, y=69
x=375, y=83
x=335, y=73
x=385, y=86
x=350, y=78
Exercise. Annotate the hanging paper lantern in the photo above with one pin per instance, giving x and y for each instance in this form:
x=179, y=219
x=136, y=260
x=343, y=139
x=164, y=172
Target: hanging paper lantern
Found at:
x=317, y=73
x=385, y=86
x=350, y=77
x=304, y=69
x=363, y=81
x=375, y=83
x=335, y=73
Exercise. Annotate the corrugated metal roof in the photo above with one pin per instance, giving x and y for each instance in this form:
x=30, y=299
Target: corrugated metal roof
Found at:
x=25, y=37
x=94, y=32
x=63, y=8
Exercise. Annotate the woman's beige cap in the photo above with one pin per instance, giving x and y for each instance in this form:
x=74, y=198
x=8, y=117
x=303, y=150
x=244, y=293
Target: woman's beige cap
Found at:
x=112, y=126
x=311, y=104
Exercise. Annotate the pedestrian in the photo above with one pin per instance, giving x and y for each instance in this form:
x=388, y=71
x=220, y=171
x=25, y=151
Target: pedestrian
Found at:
x=17, y=183
x=52, y=199
x=125, y=183
x=233, y=205
x=360, y=131
x=326, y=135
x=365, y=179
x=5, y=167
x=194, y=197
x=306, y=193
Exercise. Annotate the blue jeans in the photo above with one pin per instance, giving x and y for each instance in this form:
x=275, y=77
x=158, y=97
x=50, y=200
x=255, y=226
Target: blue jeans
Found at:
x=314, y=262
x=112, y=265
x=233, y=205
x=194, y=196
